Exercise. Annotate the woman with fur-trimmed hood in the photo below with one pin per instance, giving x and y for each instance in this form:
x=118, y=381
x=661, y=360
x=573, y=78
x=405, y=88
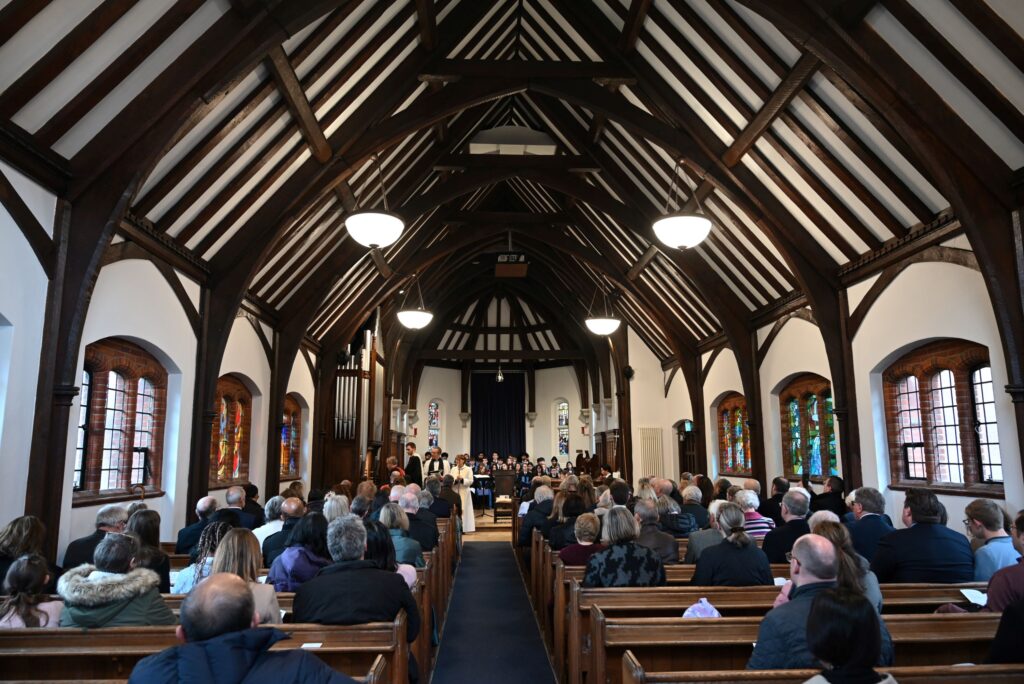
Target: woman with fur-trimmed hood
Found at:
x=113, y=593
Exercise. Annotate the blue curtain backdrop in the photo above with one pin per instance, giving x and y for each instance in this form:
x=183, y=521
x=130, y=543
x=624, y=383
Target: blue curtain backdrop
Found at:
x=498, y=414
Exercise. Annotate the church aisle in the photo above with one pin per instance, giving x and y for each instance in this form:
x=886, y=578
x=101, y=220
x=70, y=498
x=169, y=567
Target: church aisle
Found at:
x=490, y=635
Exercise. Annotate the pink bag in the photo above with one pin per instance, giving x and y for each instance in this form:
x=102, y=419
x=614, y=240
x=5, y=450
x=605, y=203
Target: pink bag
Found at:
x=702, y=609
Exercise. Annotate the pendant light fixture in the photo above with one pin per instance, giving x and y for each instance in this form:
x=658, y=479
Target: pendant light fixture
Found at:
x=681, y=229
x=375, y=227
x=414, y=319
x=605, y=323
x=500, y=376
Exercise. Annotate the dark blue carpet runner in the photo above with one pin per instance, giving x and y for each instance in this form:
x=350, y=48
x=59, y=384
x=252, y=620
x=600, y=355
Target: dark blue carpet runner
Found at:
x=490, y=634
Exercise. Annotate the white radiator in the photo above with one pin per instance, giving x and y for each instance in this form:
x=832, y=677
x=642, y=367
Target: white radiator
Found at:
x=651, y=462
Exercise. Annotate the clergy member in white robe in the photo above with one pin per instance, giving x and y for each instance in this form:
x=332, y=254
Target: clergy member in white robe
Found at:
x=463, y=475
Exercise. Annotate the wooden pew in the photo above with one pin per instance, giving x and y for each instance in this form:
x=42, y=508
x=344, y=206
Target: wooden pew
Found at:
x=679, y=644
x=109, y=653
x=634, y=673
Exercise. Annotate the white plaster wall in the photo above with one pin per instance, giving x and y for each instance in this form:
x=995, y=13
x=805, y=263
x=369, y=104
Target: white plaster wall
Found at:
x=554, y=384
x=445, y=385
x=244, y=357
x=132, y=300
x=23, y=286
x=797, y=349
x=723, y=377
x=300, y=382
x=928, y=301
x=649, y=407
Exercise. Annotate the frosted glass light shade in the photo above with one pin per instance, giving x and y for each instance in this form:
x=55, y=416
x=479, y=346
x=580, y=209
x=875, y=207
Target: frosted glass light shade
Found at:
x=415, y=318
x=603, y=326
x=682, y=230
x=373, y=228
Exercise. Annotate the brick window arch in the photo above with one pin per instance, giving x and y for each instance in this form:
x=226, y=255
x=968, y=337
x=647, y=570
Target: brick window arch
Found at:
x=733, y=436
x=232, y=428
x=291, y=438
x=122, y=410
x=940, y=419
x=808, y=427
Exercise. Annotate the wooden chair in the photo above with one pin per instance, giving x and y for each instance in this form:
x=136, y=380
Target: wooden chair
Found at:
x=504, y=491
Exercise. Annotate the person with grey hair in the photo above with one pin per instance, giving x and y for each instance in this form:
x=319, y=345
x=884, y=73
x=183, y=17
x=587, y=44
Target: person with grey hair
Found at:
x=188, y=536
x=624, y=563
x=756, y=524
x=819, y=517
x=440, y=506
x=109, y=518
x=272, y=512
x=661, y=543
x=407, y=549
x=113, y=592
x=220, y=642
x=692, y=496
x=700, y=540
x=870, y=522
x=421, y=528
x=538, y=517
x=335, y=506
x=779, y=541
x=736, y=562
x=353, y=590
x=235, y=499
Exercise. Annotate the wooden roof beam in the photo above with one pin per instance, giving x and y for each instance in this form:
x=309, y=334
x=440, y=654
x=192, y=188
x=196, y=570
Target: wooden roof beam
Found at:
x=298, y=105
x=428, y=24
x=448, y=70
x=572, y=163
x=634, y=24
x=508, y=217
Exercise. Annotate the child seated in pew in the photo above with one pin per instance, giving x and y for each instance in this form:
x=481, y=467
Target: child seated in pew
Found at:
x=843, y=633
x=25, y=604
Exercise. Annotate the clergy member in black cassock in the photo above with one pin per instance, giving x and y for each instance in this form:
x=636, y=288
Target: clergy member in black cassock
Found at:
x=435, y=466
x=413, y=466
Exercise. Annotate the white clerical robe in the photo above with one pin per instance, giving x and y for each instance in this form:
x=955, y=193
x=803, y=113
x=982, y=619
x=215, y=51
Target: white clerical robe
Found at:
x=465, y=473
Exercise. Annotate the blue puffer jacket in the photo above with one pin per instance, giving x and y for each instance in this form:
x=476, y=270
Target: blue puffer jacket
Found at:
x=234, y=658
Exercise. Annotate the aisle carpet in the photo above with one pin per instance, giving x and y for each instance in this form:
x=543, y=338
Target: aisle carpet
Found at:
x=490, y=634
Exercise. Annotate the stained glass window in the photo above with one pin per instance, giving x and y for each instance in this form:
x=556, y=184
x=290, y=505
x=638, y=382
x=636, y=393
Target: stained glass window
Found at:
x=813, y=435
x=808, y=427
x=83, y=430
x=291, y=440
x=562, y=411
x=733, y=436
x=729, y=457
x=989, y=456
x=142, y=442
x=229, y=444
x=949, y=464
x=239, y=435
x=910, y=430
x=796, y=454
x=433, y=424
x=114, y=428
x=833, y=461
x=739, y=445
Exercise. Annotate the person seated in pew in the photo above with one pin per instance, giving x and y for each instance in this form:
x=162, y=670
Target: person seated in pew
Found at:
x=587, y=492
x=144, y=525
x=188, y=536
x=113, y=592
x=771, y=507
x=426, y=499
x=722, y=486
x=24, y=536
x=564, y=533
x=854, y=570
x=221, y=642
x=305, y=556
x=984, y=524
x=252, y=504
x=1009, y=636
x=203, y=564
x=672, y=520
x=235, y=499
x=927, y=551
x=239, y=554
x=870, y=522
x=665, y=545
x=272, y=515
x=736, y=562
x=407, y=549
x=538, y=515
x=109, y=518
x=27, y=603
x=843, y=633
x=779, y=541
x=782, y=635
x=440, y=507
x=335, y=506
x=624, y=563
x=700, y=540
x=292, y=511
x=420, y=527
x=692, y=497
x=354, y=590
x=757, y=525
x=831, y=497
x=1007, y=585
x=381, y=550
x=586, y=530
x=449, y=494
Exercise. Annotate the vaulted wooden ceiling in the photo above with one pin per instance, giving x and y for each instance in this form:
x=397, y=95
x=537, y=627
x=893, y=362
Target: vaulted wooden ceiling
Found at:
x=806, y=180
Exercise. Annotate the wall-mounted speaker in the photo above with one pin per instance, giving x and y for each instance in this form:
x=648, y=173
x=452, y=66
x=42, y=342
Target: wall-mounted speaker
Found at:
x=628, y=372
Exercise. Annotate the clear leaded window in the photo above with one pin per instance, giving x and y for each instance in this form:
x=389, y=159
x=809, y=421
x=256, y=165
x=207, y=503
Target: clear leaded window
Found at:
x=911, y=431
x=115, y=425
x=145, y=407
x=949, y=464
x=82, y=444
x=985, y=425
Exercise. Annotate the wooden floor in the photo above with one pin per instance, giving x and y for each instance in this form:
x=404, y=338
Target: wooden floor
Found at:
x=487, y=530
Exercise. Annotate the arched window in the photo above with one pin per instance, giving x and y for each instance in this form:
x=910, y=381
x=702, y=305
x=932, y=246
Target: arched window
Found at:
x=434, y=424
x=562, y=425
x=928, y=392
x=229, y=443
x=808, y=427
x=733, y=436
x=120, y=422
x=291, y=438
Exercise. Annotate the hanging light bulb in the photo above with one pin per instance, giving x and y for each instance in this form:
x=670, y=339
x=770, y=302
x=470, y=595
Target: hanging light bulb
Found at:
x=681, y=229
x=604, y=324
x=499, y=377
x=417, y=318
x=375, y=227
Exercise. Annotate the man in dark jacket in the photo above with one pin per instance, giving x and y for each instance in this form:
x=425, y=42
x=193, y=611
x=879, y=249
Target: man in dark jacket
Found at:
x=440, y=507
x=870, y=522
x=927, y=551
x=537, y=516
x=831, y=498
x=188, y=536
x=292, y=511
x=413, y=465
x=772, y=506
x=662, y=543
x=235, y=499
x=252, y=504
x=779, y=541
x=220, y=643
x=110, y=518
x=782, y=637
x=420, y=527
x=353, y=591
x=450, y=496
